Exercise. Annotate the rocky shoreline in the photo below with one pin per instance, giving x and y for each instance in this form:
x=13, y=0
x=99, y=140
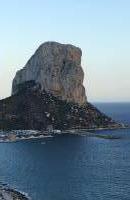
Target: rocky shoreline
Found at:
x=7, y=193
x=18, y=135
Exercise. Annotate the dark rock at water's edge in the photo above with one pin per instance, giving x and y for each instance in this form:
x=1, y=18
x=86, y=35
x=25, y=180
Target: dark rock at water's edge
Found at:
x=7, y=193
x=33, y=108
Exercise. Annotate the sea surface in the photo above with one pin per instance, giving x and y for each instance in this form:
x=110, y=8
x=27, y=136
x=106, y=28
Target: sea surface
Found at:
x=72, y=167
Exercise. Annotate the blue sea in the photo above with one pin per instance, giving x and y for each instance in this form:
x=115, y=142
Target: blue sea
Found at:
x=72, y=167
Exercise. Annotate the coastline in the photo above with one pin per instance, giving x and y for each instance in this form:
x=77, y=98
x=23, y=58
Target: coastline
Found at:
x=20, y=135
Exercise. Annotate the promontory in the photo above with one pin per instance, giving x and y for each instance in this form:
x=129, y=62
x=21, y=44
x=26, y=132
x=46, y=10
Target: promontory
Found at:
x=48, y=92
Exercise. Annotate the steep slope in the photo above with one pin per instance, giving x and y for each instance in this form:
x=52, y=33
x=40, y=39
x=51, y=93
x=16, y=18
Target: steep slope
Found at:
x=33, y=108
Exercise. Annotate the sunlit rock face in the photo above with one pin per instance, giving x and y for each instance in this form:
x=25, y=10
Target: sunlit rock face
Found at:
x=57, y=68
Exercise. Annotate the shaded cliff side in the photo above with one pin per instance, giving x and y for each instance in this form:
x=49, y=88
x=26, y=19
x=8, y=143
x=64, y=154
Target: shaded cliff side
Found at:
x=33, y=108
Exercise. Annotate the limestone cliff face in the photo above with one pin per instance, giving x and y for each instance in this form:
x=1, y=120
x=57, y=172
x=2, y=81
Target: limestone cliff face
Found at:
x=57, y=68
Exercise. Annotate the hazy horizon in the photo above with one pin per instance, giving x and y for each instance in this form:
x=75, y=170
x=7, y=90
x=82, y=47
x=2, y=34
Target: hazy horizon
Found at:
x=101, y=29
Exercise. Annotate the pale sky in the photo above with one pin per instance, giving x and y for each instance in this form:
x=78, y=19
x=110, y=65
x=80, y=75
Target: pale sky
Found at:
x=101, y=28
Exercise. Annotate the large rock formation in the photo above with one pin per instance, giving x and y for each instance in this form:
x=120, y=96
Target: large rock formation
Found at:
x=57, y=68
x=49, y=91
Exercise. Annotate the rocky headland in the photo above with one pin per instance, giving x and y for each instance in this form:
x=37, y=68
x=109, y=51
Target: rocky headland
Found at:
x=48, y=94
